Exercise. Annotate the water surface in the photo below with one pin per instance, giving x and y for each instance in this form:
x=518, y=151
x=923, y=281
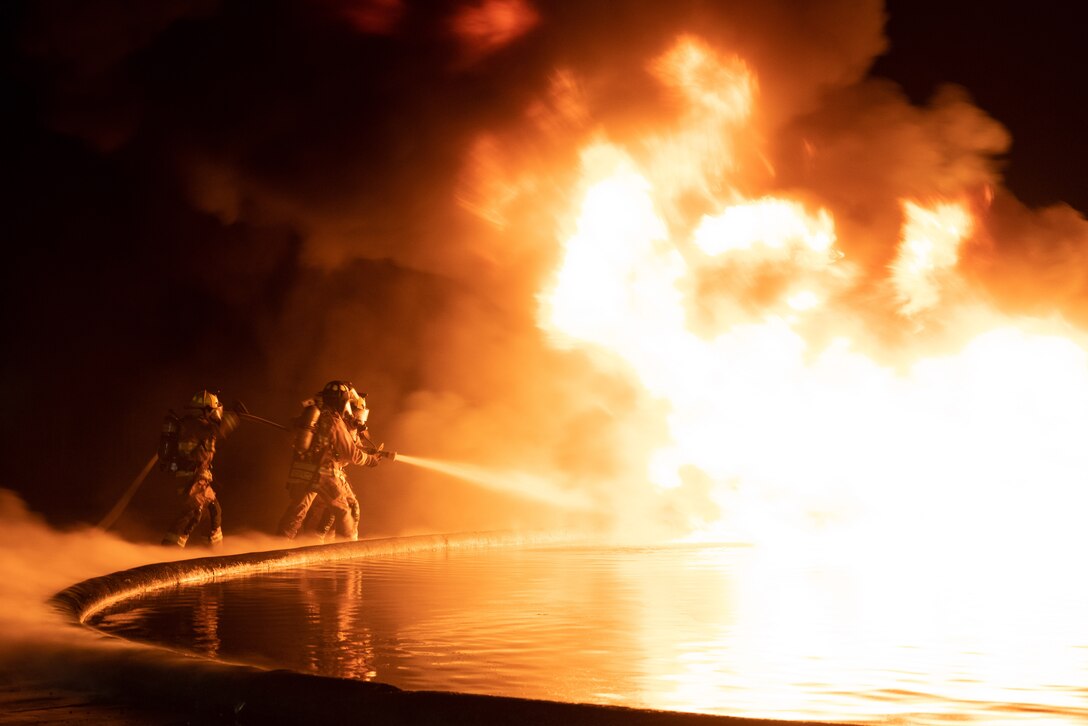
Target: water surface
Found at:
x=715, y=629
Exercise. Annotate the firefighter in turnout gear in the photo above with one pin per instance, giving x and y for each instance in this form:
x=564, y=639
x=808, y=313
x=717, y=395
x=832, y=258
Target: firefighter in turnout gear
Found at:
x=186, y=449
x=330, y=433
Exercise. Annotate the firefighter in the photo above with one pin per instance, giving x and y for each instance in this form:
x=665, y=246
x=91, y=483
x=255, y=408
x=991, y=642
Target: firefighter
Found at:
x=322, y=519
x=330, y=434
x=186, y=450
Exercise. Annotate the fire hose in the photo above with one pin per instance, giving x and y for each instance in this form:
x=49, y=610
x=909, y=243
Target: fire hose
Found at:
x=250, y=417
x=112, y=516
x=114, y=513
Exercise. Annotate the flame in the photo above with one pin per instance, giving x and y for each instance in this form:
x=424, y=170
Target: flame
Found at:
x=717, y=92
x=777, y=226
x=802, y=437
x=929, y=250
x=721, y=86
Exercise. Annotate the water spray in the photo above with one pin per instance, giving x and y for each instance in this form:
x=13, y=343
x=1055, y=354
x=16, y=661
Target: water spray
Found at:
x=520, y=484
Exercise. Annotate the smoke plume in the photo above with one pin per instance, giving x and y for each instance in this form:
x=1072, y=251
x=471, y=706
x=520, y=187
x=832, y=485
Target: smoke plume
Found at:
x=259, y=200
x=38, y=645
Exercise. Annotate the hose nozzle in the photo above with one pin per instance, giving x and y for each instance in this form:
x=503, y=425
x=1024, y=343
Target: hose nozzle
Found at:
x=381, y=453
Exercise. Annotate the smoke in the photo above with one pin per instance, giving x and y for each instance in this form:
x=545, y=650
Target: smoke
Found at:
x=37, y=643
x=258, y=200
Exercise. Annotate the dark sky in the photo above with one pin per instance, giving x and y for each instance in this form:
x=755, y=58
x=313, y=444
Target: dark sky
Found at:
x=125, y=289
x=1023, y=63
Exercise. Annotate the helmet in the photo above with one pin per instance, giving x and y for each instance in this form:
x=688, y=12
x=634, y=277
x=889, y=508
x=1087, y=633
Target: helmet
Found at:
x=337, y=396
x=208, y=403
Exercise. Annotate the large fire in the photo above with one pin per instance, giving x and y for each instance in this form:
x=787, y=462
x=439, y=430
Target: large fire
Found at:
x=745, y=322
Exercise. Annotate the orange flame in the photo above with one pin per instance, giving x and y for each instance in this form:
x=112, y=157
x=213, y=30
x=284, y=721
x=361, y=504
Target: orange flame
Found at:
x=713, y=84
x=795, y=436
x=718, y=92
x=929, y=250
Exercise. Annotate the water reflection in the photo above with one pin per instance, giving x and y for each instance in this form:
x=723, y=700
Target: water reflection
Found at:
x=726, y=630
x=206, y=623
x=344, y=642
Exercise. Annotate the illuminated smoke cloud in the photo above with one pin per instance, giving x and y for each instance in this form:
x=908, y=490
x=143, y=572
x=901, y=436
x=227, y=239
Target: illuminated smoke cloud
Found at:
x=379, y=17
x=37, y=643
x=485, y=28
x=378, y=190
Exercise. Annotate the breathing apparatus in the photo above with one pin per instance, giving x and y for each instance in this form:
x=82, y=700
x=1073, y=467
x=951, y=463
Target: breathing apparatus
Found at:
x=168, y=442
x=312, y=427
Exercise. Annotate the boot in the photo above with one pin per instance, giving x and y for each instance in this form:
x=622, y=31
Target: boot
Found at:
x=170, y=539
x=215, y=539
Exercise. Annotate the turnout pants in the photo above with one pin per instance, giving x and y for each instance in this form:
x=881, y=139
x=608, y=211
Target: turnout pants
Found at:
x=339, y=505
x=197, y=497
x=301, y=493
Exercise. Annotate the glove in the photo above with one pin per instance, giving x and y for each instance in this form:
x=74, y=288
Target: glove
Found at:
x=381, y=453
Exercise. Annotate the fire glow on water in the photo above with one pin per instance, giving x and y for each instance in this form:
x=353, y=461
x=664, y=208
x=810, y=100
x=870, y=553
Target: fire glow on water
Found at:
x=773, y=396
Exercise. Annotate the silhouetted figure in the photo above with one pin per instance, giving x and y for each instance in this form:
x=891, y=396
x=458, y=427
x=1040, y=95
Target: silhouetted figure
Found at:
x=330, y=433
x=186, y=450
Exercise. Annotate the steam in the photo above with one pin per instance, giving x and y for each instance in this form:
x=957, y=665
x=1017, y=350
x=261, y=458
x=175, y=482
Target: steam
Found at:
x=36, y=562
x=37, y=643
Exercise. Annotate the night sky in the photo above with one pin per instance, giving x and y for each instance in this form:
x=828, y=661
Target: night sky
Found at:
x=182, y=177
x=1022, y=63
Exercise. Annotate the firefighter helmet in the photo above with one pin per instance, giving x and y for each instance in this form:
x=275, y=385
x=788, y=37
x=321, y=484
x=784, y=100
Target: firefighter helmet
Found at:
x=208, y=403
x=337, y=396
